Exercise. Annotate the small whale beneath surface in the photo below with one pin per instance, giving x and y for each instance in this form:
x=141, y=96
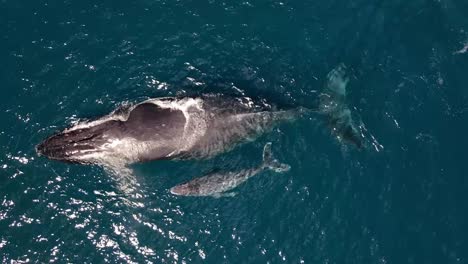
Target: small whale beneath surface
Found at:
x=218, y=184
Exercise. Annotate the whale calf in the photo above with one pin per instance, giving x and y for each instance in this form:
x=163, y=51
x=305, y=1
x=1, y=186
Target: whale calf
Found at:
x=218, y=184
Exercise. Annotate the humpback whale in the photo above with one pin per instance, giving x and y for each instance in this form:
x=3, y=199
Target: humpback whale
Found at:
x=185, y=128
x=164, y=128
x=219, y=184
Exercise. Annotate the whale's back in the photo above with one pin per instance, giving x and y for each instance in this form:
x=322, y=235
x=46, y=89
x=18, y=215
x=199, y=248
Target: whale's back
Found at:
x=148, y=121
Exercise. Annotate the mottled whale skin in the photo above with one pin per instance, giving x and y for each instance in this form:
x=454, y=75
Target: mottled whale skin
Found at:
x=164, y=128
x=220, y=183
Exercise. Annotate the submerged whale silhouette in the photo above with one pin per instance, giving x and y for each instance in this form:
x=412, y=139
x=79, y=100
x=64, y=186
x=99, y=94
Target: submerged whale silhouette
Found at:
x=219, y=184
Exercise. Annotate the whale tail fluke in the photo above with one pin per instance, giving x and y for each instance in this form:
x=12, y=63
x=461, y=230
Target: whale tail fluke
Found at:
x=269, y=162
x=333, y=105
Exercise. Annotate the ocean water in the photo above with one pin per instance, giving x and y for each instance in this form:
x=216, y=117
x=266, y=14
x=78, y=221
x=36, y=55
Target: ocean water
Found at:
x=402, y=199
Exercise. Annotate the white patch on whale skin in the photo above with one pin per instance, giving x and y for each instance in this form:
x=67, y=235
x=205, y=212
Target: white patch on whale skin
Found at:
x=195, y=125
x=164, y=102
x=109, y=117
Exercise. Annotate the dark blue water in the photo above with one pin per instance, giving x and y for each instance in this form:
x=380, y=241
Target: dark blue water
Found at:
x=403, y=199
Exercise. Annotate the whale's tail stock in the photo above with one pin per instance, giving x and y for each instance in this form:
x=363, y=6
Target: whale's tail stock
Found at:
x=334, y=106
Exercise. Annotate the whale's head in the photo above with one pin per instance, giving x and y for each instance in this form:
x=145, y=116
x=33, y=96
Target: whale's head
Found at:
x=143, y=133
x=181, y=189
x=76, y=144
